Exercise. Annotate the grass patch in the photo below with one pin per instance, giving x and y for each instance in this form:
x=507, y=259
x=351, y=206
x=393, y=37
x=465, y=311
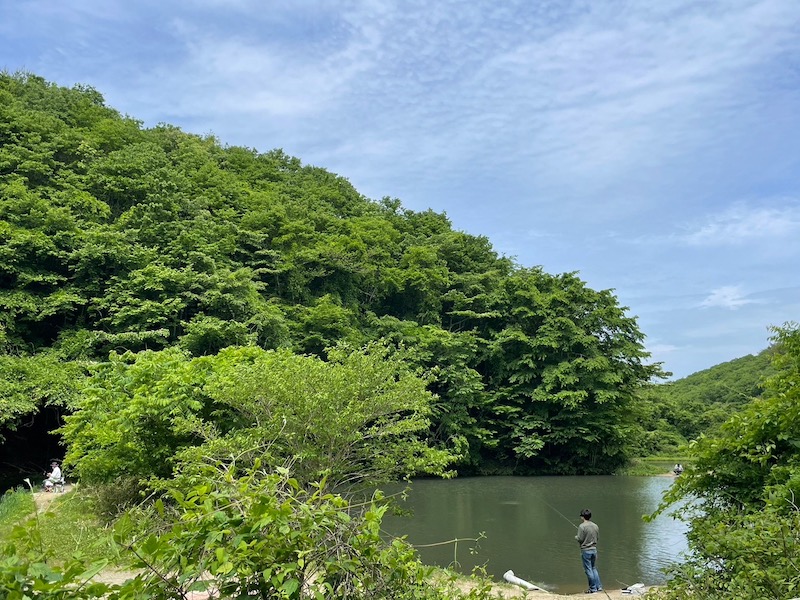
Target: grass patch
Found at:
x=653, y=465
x=70, y=526
x=15, y=507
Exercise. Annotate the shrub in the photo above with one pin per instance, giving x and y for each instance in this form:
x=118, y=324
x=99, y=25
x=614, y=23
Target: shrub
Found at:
x=263, y=535
x=27, y=572
x=360, y=418
x=743, y=489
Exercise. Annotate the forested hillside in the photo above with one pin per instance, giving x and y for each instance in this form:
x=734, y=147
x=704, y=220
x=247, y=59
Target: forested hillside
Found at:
x=116, y=238
x=677, y=412
x=704, y=400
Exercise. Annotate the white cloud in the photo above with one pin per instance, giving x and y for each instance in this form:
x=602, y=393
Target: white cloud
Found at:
x=741, y=223
x=729, y=296
x=247, y=77
x=565, y=130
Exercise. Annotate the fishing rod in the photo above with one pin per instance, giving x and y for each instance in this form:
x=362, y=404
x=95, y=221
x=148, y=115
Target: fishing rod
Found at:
x=560, y=514
x=563, y=516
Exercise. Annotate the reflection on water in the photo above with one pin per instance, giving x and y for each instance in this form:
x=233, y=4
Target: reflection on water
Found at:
x=530, y=522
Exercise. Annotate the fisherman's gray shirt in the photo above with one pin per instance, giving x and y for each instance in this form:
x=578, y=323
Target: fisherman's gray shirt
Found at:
x=588, y=532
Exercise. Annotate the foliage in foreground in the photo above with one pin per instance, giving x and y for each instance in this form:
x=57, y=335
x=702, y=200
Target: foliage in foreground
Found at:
x=41, y=556
x=260, y=535
x=743, y=495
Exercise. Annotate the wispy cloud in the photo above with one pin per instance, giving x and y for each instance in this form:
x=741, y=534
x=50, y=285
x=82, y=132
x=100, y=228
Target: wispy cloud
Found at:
x=729, y=296
x=573, y=101
x=652, y=146
x=766, y=223
x=741, y=223
x=569, y=100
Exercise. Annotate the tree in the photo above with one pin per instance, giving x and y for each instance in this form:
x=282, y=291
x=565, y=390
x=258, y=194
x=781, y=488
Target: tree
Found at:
x=564, y=371
x=115, y=238
x=357, y=419
x=29, y=383
x=741, y=493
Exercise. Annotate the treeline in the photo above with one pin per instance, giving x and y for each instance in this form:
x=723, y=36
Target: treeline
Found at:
x=117, y=238
x=675, y=413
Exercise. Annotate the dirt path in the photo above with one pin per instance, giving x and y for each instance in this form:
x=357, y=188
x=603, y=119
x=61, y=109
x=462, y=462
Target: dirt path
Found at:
x=43, y=499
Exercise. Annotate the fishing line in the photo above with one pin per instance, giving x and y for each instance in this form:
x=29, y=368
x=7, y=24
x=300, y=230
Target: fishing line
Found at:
x=575, y=526
x=560, y=514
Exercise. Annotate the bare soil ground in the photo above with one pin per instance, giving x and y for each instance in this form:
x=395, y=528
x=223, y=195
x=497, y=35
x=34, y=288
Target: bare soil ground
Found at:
x=43, y=499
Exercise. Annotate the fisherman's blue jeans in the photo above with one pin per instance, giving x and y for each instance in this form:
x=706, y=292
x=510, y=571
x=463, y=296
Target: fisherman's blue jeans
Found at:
x=589, y=558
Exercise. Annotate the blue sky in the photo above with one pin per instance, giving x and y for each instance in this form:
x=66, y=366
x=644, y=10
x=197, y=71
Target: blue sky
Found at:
x=654, y=147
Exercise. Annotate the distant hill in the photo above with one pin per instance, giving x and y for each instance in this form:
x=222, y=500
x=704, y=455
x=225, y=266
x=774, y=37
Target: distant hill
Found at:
x=704, y=400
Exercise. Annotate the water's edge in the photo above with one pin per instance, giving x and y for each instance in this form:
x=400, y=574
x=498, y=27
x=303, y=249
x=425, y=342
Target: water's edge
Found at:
x=528, y=524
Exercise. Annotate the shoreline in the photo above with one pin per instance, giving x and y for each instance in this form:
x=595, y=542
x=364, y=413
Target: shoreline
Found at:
x=501, y=590
x=507, y=590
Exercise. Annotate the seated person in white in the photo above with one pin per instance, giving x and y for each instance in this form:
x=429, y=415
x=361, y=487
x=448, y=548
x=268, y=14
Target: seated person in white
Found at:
x=54, y=477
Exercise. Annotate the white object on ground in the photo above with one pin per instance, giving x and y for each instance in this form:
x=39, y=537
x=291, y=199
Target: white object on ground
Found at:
x=511, y=578
x=637, y=589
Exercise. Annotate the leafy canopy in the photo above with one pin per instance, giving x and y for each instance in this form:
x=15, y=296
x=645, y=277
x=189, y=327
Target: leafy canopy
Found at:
x=119, y=238
x=357, y=418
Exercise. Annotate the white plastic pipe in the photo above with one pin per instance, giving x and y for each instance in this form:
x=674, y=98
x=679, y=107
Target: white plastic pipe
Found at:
x=511, y=578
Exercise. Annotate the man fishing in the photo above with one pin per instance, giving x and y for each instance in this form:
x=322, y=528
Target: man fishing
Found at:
x=588, y=533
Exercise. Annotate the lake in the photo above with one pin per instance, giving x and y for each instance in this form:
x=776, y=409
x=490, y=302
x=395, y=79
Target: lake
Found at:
x=525, y=532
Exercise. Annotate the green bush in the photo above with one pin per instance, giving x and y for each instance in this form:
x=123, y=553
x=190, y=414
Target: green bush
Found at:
x=263, y=535
x=359, y=418
x=110, y=500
